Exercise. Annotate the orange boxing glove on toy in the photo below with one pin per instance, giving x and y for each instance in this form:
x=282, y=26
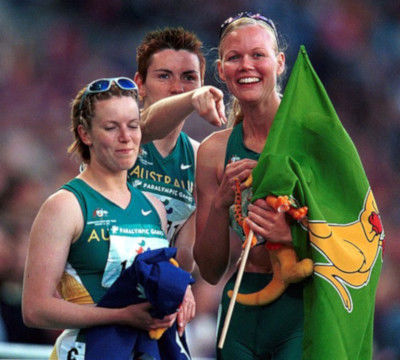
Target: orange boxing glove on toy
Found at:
x=285, y=265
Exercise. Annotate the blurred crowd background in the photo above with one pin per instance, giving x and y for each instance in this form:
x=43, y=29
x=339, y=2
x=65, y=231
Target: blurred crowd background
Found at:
x=49, y=49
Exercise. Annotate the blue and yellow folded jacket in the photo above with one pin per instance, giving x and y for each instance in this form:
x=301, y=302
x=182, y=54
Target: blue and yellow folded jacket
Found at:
x=150, y=278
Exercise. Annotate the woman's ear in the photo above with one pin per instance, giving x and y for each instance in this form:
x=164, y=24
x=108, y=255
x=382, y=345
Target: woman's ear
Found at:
x=140, y=83
x=281, y=63
x=220, y=70
x=84, y=135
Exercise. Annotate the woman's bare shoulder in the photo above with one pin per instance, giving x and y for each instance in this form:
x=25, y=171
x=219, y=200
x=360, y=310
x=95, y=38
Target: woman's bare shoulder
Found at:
x=216, y=141
x=211, y=155
x=61, y=201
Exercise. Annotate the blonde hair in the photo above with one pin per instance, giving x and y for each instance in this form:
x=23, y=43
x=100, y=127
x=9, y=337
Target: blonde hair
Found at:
x=235, y=114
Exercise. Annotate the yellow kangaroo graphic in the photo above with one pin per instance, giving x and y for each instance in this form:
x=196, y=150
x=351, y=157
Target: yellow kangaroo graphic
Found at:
x=351, y=249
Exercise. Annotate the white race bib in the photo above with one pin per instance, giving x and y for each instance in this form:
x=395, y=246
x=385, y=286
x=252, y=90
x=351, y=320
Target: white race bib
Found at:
x=126, y=242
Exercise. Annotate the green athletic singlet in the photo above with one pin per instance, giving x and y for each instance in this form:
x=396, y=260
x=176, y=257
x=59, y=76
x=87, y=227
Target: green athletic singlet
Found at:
x=270, y=332
x=236, y=150
x=110, y=240
x=170, y=179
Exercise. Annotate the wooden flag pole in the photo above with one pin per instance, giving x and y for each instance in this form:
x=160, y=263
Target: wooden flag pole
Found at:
x=235, y=290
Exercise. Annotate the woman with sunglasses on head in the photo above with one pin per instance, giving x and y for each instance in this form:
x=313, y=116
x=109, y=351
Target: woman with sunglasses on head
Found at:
x=72, y=257
x=250, y=62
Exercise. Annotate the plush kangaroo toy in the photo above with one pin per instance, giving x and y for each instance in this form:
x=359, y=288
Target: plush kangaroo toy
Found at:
x=285, y=265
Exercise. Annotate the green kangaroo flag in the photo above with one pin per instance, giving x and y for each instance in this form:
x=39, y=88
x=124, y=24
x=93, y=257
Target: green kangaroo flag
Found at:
x=310, y=157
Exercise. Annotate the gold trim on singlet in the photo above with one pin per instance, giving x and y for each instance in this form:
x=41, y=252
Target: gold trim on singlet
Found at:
x=73, y=291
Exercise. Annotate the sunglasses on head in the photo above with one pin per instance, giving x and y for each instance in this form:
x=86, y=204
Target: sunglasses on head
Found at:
x=103, y=85
x=246, y=14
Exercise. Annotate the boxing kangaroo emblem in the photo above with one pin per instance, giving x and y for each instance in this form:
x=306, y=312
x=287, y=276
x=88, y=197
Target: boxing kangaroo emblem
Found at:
x=350, y=249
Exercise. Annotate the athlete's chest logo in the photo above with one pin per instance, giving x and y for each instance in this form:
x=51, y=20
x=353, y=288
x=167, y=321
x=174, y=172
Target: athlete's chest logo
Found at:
x=146, y=213
x=185, y=166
